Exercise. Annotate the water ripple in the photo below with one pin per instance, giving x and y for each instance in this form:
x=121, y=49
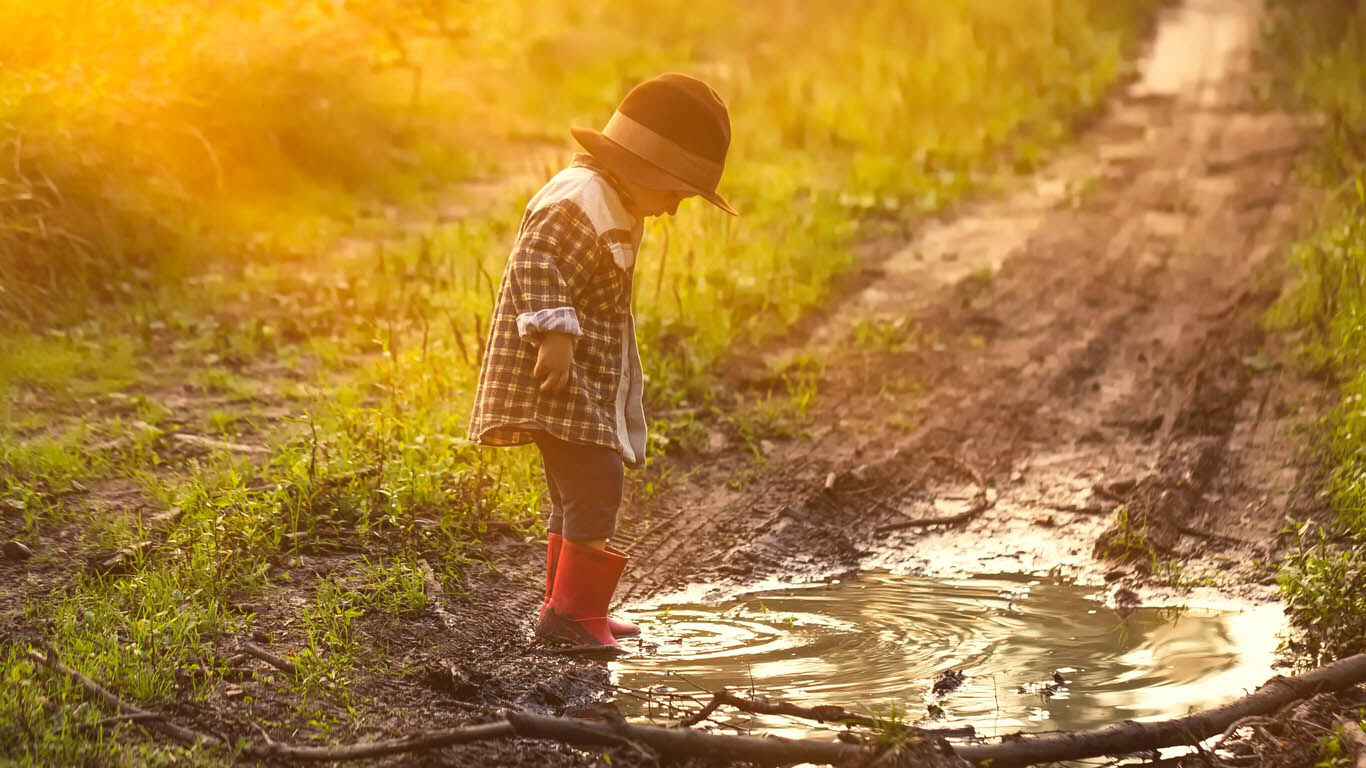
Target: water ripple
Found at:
x=867, y=642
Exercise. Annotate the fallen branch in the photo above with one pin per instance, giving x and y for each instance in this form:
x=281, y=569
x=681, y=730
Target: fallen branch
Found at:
x=140, y=717
x=1353, y=741
x=1129, y=736
x=1189, y=531
x=701, y=714
x=983, y=500
x=1079, y=510
x=279, y=662
x=149, y=720
x=675, y=741
x=827, y=713
x=499, y=729
x=684, y=742
x=963, y=517
x=663, y=699
x=759, y=705
x=218, y=445
x=434, y=595
x=1020, y=750
x=157, y=722
x=119, y=561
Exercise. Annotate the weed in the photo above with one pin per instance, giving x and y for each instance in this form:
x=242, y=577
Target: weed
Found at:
x=891, y=730
x=395, y=587
x=201, y=205
x=1131, y=536
x=1324, y=589
x=680, y=432
x=325, y=663
x=885, y=335
x=1318, y=50
x=981, y=277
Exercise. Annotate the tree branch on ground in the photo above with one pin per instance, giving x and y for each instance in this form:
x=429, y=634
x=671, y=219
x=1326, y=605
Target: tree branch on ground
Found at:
x=1016, y=750
x=982, y=500
x=279, y=662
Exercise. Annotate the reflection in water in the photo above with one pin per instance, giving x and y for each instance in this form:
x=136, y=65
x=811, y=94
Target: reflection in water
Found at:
x=866, y=642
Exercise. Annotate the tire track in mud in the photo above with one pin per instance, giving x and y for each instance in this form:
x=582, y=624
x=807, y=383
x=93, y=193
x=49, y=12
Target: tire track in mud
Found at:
x=1087, y=344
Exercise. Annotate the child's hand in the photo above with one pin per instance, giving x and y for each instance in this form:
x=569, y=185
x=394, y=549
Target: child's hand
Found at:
x=552, y=361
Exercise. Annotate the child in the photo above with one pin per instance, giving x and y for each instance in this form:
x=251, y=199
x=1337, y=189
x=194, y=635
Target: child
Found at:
x=561, y=368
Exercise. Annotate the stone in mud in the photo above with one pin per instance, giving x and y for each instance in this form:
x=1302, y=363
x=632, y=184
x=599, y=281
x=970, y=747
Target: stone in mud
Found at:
x=948, y=681
x=17, y=551
x=119, y=561
x=459, y=681
x=717, y=442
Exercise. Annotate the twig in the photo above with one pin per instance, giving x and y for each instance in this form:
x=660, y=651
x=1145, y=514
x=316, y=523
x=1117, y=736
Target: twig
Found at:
x=1241, y=723
x=217, y=445
x=983, y=500
x=1124, y=737
x=1077, y=510
x=685, y=742
x=640, y=694
x=428, y=740
x=1355, y=739
x=279, y=662
x=701, y=714
x=689, y=681
x=1130, y=736
x=759, y=705
x=149, y=720
x=105, y=722
x=1189, y=531
x=140, y=717
x=156, y=722
x=981, y=506
x=964, y=466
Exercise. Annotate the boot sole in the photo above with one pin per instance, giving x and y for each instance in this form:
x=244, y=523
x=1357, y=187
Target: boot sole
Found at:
x=553, y=627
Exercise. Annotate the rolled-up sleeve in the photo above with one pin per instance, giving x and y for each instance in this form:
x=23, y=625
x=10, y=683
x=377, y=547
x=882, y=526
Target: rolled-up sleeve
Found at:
x=548, y=269
x=531, y=325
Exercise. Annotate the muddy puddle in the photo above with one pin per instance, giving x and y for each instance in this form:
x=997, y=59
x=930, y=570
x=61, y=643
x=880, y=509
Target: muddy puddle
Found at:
x=876, y=639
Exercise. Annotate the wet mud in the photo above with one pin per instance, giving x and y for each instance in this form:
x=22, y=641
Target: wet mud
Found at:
x=1079, y=384
x=998, y=654
x=1066, y=381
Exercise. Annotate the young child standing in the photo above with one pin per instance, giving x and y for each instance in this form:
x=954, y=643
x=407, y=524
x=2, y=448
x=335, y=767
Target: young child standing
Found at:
x=561, y=368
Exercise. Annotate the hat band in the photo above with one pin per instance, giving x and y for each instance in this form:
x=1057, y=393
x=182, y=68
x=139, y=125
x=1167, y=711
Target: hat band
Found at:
x=663, y=152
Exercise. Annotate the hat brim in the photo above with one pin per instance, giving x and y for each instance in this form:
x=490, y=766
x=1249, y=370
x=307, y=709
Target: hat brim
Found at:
x=638, y=170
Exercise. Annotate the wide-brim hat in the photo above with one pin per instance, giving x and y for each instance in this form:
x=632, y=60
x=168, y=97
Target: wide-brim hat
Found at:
x=671, y=132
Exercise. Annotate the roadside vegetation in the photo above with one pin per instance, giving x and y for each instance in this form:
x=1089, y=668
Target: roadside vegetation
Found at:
x=247, y=256
x=1320, y=48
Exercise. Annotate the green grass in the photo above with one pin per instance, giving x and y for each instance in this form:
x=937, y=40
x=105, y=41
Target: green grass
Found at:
x=283, y=224
x=1319, y=51
x=67, y=363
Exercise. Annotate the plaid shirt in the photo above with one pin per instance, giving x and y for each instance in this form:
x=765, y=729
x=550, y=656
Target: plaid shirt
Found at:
x=570, y=271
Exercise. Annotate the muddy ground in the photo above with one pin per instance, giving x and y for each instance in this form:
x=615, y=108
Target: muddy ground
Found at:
x=1069, y=377
x=1089, y=342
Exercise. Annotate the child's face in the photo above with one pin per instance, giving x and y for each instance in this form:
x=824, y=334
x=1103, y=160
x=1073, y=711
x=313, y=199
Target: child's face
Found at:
x=656, y=202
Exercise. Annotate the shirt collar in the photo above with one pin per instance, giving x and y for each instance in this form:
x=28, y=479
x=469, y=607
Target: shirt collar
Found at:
x=585, y=160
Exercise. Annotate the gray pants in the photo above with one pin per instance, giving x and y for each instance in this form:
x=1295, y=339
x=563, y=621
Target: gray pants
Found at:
x=585, y=483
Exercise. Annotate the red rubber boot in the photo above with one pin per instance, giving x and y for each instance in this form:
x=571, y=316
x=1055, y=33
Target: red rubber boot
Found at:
x=585, y=579
x=621, y=628
x=552, y=558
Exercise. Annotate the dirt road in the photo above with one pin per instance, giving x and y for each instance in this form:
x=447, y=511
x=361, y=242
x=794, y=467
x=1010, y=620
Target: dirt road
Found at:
x=1074, y=372
x=1067, y=378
